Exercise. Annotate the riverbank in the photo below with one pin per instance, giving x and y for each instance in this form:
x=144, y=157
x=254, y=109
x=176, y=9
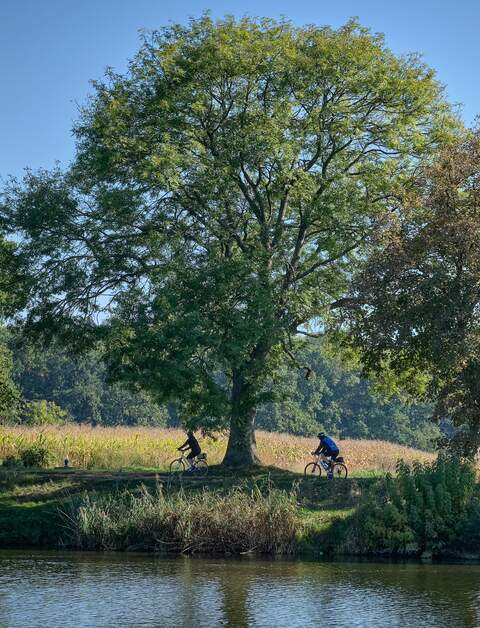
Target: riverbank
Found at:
x=35, y=506
x=266, y=510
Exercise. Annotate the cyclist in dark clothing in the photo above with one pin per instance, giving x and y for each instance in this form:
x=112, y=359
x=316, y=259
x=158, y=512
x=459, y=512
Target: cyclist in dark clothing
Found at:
x=327, y=447
x=192, y=444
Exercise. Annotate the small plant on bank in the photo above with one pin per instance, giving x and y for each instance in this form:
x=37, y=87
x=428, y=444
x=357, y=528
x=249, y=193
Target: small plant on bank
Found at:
x=11, y=462
x=9, y=476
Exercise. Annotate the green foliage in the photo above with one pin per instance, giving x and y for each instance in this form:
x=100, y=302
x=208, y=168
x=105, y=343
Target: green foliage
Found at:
x=9, y=392
x=13, y=280
x=419, y=292
x=43, y=413
x=37, y=455
x=222, y=192
x=78, y=384
x=424, y=508
x=13, y=286
x=336, y=399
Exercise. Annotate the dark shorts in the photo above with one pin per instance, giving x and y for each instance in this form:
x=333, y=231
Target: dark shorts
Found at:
x=333, y=455
x=193, y=454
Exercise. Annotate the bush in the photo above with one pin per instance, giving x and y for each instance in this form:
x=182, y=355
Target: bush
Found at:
x=236, y=522
x=37, y=455
x=425, y=508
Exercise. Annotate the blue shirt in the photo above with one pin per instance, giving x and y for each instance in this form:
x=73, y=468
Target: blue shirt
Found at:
x=329, y=444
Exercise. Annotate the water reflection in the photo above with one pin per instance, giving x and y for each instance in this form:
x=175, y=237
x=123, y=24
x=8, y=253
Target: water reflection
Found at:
x=69, y=589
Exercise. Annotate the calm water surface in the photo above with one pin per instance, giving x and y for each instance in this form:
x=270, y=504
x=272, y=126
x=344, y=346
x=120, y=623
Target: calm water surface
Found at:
x=74, y=589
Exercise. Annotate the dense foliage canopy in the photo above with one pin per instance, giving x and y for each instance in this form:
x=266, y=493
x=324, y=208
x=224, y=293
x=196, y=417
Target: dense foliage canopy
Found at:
x=221, y=194
x=419, y=295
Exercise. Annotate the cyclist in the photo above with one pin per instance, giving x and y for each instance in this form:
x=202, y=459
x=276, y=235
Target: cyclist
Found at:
x=192, y=444
x=328, y=448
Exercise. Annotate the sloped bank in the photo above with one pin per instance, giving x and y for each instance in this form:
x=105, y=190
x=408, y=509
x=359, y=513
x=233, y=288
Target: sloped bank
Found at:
x=425, y=510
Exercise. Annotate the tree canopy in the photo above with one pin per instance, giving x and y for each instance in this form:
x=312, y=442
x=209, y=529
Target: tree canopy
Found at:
x=12, y=299
x=420, y=292
x=338, y=400
x=221, y=194
x=79, y=386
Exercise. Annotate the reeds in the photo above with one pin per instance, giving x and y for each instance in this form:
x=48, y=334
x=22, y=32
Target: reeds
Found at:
x=236, y=522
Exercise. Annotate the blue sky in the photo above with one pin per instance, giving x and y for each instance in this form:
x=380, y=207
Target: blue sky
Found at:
x=51, y=49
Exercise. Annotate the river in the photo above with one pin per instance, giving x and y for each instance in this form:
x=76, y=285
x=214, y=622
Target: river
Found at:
x=66, y=589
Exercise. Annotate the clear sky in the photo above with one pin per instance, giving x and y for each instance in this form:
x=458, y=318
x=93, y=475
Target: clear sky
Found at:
x=50, y=49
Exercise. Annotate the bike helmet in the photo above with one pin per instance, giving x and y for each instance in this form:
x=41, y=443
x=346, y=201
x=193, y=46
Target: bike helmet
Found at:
x=321, y=435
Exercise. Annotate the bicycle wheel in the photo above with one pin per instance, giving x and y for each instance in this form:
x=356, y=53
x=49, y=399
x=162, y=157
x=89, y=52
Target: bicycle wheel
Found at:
x=177, y=467
x=201, y=468
x=312, y=470
x=339, y=470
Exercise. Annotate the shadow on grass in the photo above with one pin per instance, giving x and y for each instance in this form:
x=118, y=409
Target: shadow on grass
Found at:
x=29, y=509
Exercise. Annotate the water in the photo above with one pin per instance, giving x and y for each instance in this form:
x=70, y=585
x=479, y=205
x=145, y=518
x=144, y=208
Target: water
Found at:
x=64, y=590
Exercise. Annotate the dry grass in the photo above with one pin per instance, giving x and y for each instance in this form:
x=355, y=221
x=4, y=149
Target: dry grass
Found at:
x=291, y=452
x=237, y=522
x=121, y=447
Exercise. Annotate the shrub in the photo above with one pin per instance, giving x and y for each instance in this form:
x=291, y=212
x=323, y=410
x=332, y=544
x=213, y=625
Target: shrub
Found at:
x=425, y=508
x=37, y=454
x=10, y=475
x=235, y=522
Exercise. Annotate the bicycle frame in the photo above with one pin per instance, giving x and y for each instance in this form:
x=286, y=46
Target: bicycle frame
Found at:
x=319, y=458
x=185, y=461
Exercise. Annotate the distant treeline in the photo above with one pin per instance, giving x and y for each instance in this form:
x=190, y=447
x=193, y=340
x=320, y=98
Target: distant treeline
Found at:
x=335, y=398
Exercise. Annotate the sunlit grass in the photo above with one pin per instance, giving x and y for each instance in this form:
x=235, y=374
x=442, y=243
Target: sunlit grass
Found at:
x=115, y=448
x=239, y=521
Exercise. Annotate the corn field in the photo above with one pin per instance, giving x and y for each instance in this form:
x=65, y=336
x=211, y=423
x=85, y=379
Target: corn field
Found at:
x=115, y=448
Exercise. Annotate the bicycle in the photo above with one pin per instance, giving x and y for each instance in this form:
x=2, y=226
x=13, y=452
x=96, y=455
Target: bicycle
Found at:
x=180, y=465
x=336, y=468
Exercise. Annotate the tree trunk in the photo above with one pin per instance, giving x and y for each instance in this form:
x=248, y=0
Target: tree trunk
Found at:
x=242, y=446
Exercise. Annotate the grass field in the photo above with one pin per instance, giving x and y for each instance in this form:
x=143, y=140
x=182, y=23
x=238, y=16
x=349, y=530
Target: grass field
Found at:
x=118, y=496
x=152, y=448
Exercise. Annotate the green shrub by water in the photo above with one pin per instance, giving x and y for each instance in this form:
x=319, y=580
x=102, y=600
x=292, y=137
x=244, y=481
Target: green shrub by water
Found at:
x=235, y=522
x=424, y=508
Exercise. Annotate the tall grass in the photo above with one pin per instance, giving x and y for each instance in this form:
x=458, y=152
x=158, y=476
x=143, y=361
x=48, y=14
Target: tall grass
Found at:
x=113, y=448
x=236, y=522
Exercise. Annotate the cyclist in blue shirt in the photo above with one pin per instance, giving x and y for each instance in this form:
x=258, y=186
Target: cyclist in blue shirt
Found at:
x=327, y=447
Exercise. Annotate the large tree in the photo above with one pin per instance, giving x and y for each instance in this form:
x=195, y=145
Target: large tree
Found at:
x=418, y=298
x=221, y=191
